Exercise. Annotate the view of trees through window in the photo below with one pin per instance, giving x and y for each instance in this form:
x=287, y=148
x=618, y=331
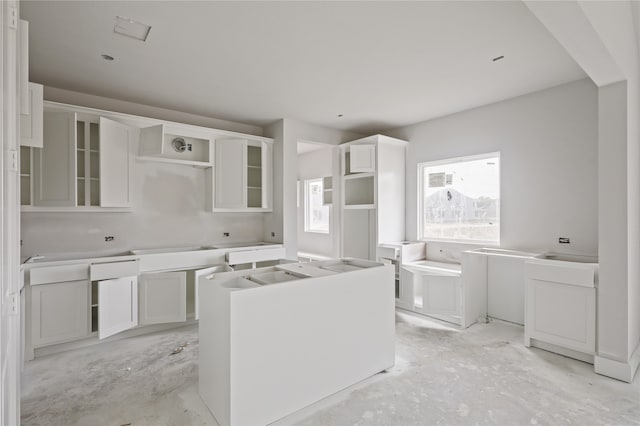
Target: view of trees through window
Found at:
x=460, y=199
x=316, y=216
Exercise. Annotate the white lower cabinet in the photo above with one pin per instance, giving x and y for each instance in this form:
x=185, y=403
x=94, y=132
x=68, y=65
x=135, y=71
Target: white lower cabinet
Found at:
x=560, y=303
x=163, y=297
x=437, y=294
x=441, y=295
x=59, y=312
x=117, y=305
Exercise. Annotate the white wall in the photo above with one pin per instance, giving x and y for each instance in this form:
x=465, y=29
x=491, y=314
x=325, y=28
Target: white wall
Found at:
x=615, y=26
x=169, y=211
x=314, y=165
x=286, y=134
x=604, y=39
x=548, y=142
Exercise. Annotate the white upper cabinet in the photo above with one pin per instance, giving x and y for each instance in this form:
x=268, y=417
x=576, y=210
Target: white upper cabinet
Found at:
x=230, y=173
x=31, y=126
x=116, y=164
x=363, y=158
x=55, y=164
x=241, y=176
x=86, y=161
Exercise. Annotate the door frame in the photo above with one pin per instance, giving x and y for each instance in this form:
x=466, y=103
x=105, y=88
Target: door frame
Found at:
x=10, y=330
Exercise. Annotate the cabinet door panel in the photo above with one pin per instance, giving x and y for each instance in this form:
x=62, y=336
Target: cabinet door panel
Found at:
x=59, y=312
x=407, y=282
x=31, y=122
x=55, y=164
x=230, y=173
x=115, y=164
x=362, y=158
x=117, y=305
x=163, y=297
x=441, y=295
x=505, y=288
x=203, y=273
x=561, y=314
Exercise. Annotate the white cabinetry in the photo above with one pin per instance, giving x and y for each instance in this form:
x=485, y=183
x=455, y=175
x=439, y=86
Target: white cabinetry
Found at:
x=31, y=122
x=116, y=161
x=59, y=312
x=241, y=176
x=561, y=307
x=55, y=164
x=372, y=195
x=362, y=158
x=86, y=162
x=433, y=291
x=59, y=302
x=163, y=297
x=117, y=305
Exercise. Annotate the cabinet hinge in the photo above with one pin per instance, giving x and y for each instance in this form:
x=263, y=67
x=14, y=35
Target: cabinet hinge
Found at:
x=11, y=160
x=13, y=17
x=11, y=304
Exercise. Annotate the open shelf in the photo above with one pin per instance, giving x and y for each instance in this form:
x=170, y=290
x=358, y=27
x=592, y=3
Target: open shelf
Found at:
x=360, y=191
x=327, y=190
x=254, y=176
x=87, y=163
x=172, y=145
x=25, y=175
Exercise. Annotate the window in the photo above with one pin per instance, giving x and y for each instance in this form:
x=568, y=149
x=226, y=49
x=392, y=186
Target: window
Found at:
x=316, y=216
x=459, y=199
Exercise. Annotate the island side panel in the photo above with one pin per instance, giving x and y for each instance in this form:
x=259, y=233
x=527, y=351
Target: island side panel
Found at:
x=295, y=343
x=214, y=335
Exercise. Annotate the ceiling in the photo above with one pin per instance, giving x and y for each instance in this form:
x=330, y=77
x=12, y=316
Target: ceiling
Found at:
x=379, y=64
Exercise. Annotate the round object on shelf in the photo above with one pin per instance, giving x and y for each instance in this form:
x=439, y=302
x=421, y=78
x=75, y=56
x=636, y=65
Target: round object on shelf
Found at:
x=179, y=144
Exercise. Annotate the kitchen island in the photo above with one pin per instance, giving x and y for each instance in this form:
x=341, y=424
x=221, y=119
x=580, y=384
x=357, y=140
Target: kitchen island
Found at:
x=274, y=340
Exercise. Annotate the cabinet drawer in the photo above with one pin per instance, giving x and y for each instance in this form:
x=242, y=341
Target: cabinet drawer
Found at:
x=250, y=256
x=563, y=272
x=54, y=274
x=106, y=271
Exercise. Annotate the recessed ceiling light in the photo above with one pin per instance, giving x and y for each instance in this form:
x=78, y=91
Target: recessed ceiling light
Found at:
x=106, y=57
x=497, y=58
x=130, y=28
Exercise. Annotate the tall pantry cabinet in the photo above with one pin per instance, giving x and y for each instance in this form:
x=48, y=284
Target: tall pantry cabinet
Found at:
x=373, y=194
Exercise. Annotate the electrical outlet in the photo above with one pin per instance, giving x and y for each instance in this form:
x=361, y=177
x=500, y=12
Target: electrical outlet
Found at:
x=273, y=234
x=225, y=234
x=563, y=240
x=109, y=238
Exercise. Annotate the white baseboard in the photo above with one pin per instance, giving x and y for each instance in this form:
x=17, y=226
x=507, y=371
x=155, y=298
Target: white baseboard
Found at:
x=624, y=371
x=550, y=347
x=137, y=331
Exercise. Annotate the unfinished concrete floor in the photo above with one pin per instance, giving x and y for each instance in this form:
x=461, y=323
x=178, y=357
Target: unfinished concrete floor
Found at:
x=482, y=375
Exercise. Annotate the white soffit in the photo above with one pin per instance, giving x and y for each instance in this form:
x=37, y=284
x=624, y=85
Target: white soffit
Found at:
x=380, y=64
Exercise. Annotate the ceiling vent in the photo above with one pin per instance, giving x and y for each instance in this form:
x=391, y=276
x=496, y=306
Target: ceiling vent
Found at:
x=130, y=28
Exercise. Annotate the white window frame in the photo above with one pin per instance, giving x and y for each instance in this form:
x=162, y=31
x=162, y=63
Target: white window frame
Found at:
x=420, y=197
x=307, y=227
